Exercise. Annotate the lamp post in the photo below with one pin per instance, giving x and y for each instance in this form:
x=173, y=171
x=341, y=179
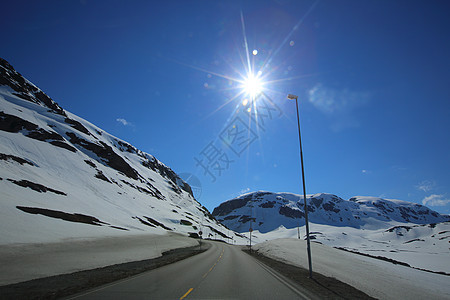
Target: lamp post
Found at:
x=292, y=97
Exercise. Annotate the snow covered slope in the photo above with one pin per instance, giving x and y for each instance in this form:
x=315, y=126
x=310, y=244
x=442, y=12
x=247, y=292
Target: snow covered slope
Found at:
x=266, y=211
x=406, y=232
x=62, y=177
x=379, y=279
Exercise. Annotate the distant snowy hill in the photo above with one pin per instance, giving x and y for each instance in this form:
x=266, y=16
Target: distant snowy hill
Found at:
x=62, y=177
x=401, y=231
x=267, y=211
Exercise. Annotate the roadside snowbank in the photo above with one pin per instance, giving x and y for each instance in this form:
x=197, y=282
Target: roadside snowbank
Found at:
x=22, y=262
x=377, y=278
x=421, y=246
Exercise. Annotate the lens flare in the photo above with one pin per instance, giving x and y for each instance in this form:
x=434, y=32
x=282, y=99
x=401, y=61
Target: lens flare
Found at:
x=252, y=86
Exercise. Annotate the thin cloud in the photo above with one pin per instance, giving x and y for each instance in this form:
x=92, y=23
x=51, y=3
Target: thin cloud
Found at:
x=244, y=191
x=333, y=101
x=435, y=200
x=123, y=122
x=338, y=104
x=426, y=185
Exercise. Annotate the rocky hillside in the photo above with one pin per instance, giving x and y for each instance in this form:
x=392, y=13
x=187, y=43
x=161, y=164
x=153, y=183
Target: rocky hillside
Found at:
x=266, y=211
x=63, y=177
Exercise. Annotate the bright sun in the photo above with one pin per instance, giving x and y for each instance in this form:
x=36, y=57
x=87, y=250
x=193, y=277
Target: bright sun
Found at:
x=252, y=86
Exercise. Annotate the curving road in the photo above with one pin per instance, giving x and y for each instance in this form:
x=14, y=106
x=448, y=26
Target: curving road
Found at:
x=221, y=272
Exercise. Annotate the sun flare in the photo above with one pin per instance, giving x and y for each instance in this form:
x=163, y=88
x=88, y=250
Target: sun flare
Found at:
x=252, y=86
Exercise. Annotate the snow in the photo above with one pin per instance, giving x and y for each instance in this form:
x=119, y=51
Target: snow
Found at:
x=137, y=217
x=35, y=245
x=22, y=262
x=120, y=204
x=421, y=246
x=271, y=210
x=395, y=229
x=375, y=277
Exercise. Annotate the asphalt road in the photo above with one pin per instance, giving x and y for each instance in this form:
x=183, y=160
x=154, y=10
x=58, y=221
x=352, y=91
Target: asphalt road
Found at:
x=221, y=272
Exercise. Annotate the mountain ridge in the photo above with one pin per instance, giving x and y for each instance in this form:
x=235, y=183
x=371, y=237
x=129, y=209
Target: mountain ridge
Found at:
x=267, y=211
x=60, y=173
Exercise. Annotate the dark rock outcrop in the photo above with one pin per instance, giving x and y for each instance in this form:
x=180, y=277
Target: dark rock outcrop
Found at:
x=291, y=213
x=24, y=89
x=36, y=187
x=15, y=158
x=227, y=207
x=155, y=165
x=77, y=125
x=15, y=124
x=106, y=153
x=80, y=218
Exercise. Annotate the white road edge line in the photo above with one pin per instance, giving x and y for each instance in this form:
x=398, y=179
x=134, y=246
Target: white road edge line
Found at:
x=102, y=287
x=282, y=280
x=105, y=286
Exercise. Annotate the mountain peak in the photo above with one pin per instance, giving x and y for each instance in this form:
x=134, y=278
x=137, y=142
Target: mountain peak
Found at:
x=266, y=211
x=24, y=89
x=63, y=177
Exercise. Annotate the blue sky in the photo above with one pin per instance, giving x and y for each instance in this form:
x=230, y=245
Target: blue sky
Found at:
x=373, y=80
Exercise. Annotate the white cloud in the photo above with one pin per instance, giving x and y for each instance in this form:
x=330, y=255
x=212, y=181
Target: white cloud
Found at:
x=426, y=185
x=435, y=200
x=245, y=191
x=338, y=104
x=331, y=101
x=123, y=121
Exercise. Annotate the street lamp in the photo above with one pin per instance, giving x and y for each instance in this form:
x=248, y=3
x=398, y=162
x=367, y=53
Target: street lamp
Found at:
x=292, y=97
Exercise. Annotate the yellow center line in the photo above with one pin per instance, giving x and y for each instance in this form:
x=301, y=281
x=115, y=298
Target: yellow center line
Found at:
x=204, y=275
x=187, y=293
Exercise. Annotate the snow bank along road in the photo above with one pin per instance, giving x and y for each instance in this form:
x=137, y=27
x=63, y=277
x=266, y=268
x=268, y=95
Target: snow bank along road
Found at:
x=22, y=262
x=377, y=278
x=222, y=272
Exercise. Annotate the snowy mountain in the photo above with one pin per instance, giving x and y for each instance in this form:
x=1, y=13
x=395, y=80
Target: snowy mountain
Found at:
x=62, y=177
x=398, y=231
x=266, y=211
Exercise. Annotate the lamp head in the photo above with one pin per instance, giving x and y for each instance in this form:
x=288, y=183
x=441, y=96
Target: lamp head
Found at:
x=292, y=97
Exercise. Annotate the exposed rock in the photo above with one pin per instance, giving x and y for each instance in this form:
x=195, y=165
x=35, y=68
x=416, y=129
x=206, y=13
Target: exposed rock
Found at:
x=90, y=163
x=24, y=89
x=80, y=218
x=291, y=213
x=14, y=124
x=154, y=222
x=154, y=192
x=218, y=232
x=77, y=125
x=316, y=201
x=227, y=207
x=15, y=158
x=268, y=204
x=330, y=206
x=63, y=145
x=155, y=165
x=185, y=222
x=245, y=218
x=122, y=146
x=36, y=187
x=268, y=211
x=144, y=222
x=106, y=153
x=102, y=176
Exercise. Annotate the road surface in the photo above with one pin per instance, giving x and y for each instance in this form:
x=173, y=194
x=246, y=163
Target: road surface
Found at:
x=221, y=272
